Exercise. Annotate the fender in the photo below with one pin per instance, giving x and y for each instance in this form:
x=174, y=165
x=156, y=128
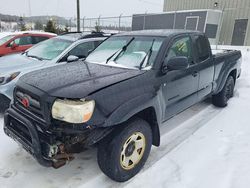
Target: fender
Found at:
x=221, y=81
x=132, y=107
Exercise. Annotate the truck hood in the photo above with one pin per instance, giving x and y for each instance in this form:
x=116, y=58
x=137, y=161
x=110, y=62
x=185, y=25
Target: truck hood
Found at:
x=77, y=80
x=18, y=63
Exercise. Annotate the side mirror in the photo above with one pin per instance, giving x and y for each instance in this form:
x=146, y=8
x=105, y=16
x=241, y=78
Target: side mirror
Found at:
x=13, y=45
x=72, y=58
x=175, y=63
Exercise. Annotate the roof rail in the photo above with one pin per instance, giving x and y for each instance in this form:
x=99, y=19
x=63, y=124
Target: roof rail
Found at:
x=94, y=34
x=73, y=32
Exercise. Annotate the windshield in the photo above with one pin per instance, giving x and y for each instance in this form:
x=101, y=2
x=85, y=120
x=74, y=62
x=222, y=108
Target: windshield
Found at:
x=129, y=52
x=6, y=39
x=49, y=49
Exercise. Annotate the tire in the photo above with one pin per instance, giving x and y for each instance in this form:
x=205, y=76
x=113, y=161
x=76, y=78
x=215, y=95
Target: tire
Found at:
x=221, y=99
x=116, y=151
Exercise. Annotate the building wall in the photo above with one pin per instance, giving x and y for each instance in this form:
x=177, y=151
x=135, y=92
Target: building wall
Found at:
x=232, y=10
x=207, y=21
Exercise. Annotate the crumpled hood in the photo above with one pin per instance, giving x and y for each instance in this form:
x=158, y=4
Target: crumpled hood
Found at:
x=18, y=62
x=77, y=80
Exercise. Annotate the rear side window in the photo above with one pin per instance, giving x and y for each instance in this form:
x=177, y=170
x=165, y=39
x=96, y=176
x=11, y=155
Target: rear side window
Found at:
x=82, y=50
x=181, y=47
x=203, y=48
x=98, y=42
x=37, y=39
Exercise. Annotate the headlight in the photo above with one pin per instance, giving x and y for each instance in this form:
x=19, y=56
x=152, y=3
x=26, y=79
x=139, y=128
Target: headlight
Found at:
x=7, y=79
x=72, y=111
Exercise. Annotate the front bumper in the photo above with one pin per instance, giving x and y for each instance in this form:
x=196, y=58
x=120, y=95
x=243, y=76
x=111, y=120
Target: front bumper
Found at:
x=26, y=133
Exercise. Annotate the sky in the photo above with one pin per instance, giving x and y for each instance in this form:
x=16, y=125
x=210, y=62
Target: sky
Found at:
x=89, y=8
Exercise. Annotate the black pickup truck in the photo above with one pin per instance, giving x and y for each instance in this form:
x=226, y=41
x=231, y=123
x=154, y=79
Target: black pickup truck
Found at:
x=118, y=98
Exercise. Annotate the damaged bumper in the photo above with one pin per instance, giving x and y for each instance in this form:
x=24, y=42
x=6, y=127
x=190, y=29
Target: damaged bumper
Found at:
x=46, y=150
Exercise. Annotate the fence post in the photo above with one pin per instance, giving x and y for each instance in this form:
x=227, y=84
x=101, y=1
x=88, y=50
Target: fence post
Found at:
x=120, y=17
x=174, y=19
x=220, y=28
x=70, y=24
x=83, y=22
x=99, y=19
x=144, y=21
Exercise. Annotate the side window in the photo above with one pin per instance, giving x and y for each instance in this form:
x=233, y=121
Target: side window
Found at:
x=203, y=49
x=82, y=50
x=97, y=43
x=181, y=47
x=23, y=41
x=37, y=39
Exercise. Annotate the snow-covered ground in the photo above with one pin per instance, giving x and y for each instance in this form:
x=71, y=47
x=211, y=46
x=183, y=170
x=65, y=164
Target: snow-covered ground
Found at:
x=203, y=147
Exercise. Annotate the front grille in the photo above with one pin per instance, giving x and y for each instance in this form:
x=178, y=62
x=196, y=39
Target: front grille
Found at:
x=33, y=105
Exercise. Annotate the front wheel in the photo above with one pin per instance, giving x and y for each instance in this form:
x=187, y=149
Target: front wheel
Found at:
x=123, y=154
x=227, y=92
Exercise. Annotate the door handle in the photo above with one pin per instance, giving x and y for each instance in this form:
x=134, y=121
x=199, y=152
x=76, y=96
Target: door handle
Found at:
x=195, y=74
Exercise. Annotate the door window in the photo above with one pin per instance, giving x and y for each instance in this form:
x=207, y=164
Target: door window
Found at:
x=82, y=50
x=97, y=43
x=181, y=47
x=23, y=41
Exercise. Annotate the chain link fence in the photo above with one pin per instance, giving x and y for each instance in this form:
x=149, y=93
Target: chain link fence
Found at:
x=106, y=24
x=233, y=27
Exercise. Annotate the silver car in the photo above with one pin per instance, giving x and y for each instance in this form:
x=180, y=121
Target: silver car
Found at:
x=56, y=51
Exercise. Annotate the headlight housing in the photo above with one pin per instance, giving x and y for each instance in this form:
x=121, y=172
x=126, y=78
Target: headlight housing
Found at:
x=9, y=78
x=73, y=111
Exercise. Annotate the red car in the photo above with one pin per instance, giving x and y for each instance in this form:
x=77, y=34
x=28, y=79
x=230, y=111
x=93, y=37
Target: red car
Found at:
x=19, y=42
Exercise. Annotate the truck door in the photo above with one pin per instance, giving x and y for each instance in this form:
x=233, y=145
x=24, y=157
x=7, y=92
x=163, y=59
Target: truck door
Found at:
x=205, y=65
x=180, y=87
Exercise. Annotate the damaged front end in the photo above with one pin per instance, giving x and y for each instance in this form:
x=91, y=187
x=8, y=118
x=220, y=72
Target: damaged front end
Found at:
x=51, y=148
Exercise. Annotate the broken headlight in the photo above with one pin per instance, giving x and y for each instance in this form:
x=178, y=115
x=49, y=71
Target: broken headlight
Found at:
x=73, y=111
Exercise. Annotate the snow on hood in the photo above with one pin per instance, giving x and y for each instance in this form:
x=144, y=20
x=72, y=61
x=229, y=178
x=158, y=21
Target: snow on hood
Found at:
x=77, y=80
x=18, y=63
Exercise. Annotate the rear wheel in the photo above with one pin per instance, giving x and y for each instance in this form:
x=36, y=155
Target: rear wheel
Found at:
x=122, y=155
x=227, y=92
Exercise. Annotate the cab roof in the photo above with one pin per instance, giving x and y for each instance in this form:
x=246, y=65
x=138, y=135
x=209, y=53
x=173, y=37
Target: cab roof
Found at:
x=157, y=32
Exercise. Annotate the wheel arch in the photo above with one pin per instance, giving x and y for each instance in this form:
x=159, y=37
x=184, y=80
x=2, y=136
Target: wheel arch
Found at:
x=232, y=73
x=149, y=115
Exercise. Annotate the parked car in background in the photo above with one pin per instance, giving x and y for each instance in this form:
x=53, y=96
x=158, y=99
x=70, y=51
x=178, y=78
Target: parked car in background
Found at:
x=19, y=42
x=118, y=99
x=4, y=34
x=55, y=51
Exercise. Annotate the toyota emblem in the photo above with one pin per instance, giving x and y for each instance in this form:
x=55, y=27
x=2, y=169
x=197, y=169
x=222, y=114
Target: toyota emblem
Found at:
x=25, y=102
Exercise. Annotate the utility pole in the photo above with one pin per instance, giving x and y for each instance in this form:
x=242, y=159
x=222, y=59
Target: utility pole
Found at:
x=29, y=8
x=78, y=15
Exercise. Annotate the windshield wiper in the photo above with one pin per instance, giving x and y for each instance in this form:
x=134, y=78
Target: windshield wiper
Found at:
x=33, y=56
x=112, y=56
x=149, y=53
x=124, y=48
x=36, y=57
